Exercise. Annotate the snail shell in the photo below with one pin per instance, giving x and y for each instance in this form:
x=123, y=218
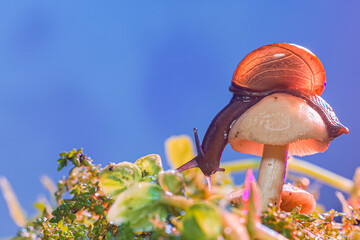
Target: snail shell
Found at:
x=280, y=66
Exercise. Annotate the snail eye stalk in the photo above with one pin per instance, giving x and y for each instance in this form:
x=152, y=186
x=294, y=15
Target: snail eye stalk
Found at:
x=199, y=150
x=194, y=162
x=191, y=164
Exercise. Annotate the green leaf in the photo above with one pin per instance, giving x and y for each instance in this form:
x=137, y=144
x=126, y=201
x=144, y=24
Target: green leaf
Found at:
x=149, y=165
x=202, y=222
x=40, y=206
x=172, y=181
x=139, y=205
x=116, y=178
x=99, y=209
x=71, y=216
x=62, y=163
x=64, y=228
x=75, y=161
x=124, y=232
x=301, y=216
x=60, y=224
x=63, y=154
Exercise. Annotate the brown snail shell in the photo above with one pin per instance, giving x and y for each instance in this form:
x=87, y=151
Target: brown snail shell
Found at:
x=280, y=66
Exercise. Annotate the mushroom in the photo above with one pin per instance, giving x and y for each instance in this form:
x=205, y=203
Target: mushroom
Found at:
x=280, y=124
x=276, y=110
x=292, y=197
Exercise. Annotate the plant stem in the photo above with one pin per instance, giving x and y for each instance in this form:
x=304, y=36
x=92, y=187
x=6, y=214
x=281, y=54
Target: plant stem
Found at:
x=321, y=174
x=298, y=166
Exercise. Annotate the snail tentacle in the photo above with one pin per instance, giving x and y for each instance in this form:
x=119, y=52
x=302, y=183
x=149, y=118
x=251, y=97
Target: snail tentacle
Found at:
x=197, y=143
x=190, y=164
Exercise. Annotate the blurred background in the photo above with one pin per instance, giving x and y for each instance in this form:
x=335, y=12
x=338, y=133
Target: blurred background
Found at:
x=119, y=78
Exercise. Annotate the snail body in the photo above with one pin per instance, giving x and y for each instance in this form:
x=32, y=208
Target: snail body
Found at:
x=271, y=69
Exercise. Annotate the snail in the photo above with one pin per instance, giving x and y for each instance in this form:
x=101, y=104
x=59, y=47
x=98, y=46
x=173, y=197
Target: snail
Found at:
x=277, y=70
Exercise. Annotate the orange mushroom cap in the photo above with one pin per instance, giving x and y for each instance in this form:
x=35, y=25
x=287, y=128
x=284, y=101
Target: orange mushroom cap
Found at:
x=292, y=197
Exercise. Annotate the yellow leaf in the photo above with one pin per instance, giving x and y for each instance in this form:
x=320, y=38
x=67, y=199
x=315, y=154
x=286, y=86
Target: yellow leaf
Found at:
x=179, y=150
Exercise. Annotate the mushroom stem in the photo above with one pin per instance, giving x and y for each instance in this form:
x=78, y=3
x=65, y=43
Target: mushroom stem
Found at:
x=271, y=174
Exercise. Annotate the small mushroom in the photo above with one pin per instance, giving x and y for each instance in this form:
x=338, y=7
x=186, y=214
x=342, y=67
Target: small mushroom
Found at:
x=292, y=197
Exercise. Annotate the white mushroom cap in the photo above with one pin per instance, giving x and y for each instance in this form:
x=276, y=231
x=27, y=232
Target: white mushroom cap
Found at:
x=280, y=119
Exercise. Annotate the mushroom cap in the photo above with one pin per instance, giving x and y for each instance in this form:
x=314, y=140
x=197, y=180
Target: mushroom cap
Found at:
x=280, y=119
x=292, y=197
x=280, y=66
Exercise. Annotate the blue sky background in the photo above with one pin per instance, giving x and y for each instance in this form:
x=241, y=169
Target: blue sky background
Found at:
x=119, y=78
